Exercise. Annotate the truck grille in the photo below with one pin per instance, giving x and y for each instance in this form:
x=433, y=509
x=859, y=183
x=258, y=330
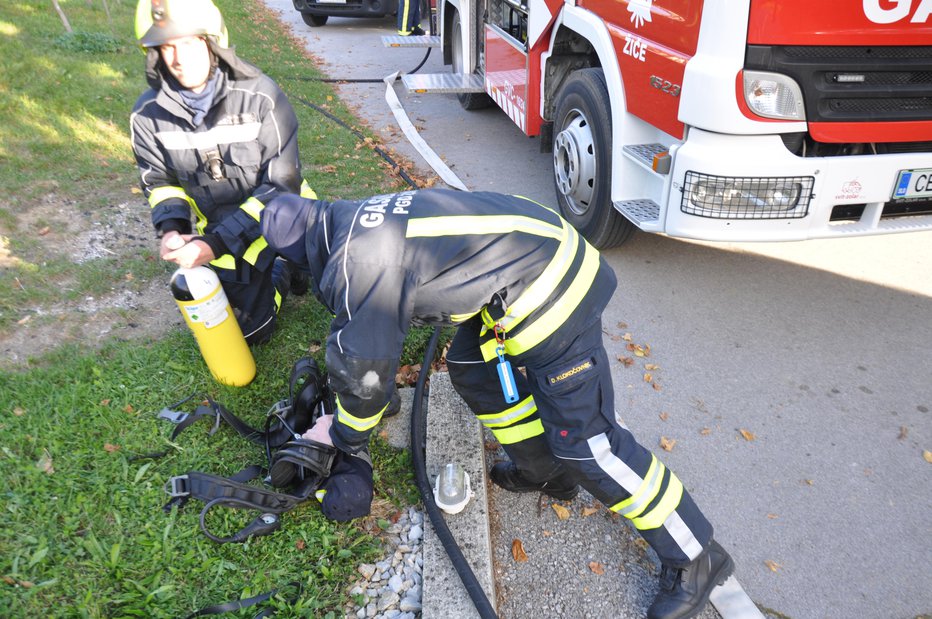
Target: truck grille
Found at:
x=854, y=84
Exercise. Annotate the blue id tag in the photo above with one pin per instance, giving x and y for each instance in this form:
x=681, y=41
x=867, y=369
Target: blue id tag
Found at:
x=507, y=378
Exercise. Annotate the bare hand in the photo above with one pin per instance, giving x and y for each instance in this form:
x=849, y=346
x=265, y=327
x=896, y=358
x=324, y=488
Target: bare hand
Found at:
x=170, y=242
x=192, y=254
x=320, y=431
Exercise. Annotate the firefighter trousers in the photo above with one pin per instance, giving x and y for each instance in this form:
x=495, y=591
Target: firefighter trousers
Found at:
x=565, y=419
x=256, y=297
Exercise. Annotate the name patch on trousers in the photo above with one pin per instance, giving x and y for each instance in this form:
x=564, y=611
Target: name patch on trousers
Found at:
x=573, y=371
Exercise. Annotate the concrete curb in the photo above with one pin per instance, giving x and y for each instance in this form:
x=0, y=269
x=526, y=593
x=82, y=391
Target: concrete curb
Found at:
x=453, y=435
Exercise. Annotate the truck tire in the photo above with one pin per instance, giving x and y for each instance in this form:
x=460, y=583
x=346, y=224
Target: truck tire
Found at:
x=582, y=160
x=314, y=20
x=469, y=100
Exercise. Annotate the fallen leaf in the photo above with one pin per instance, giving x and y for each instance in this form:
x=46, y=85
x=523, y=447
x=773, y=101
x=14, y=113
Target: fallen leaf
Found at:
x=300, y=545
x=626, y=361
x=44, y=231
x=546, y=533
x=328, y=169
x=631, y=347
x=9, y=580
x=597, y=568
x=655, y=386
x=588, y=511
x=562, y=512
x=748, y=435
x=44, y=463
x=128, y=408
x=809, y=482
x=651, y=366
x=773, y=565
x=705, y=431
x=105, y=402
x=927, y=455
x=772, y=516
x=667, y=443
x=23, y=321
x=111, y=448
x=517, y=551
x=128, y=277
x=18, y=412
x=627, y=337
x=903, y=432
x=648, y=377
x=664, y=416
x=622, y=325
x=135, y=190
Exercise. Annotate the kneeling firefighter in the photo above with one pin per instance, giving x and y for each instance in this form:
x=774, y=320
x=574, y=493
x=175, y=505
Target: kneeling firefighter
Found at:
x=526, y=290
x=214, y=140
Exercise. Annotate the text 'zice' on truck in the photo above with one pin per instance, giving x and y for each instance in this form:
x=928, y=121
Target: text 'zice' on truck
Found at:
x=729, y=120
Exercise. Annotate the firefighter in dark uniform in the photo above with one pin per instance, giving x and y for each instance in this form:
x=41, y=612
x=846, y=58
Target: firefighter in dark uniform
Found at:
x=217, y=139
x=525, y=289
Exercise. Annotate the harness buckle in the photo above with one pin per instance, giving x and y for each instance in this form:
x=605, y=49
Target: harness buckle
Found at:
x=173, y=416
x=177, y=486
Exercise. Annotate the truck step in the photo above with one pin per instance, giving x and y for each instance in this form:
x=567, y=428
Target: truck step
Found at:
x=644, y=155
x=644, y=213
x=443, y=82
x=396, y=40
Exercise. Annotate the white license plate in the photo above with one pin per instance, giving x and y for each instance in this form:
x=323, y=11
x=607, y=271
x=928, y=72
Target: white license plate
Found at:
x=913, y=184
x=331, y=2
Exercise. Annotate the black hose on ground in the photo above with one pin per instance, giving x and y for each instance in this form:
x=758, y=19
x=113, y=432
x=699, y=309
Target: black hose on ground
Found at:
x=359, y=134
x=418, y=440
x=360, y=80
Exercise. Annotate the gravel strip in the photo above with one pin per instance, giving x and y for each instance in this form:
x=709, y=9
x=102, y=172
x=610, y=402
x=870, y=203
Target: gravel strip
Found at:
x=391, y=588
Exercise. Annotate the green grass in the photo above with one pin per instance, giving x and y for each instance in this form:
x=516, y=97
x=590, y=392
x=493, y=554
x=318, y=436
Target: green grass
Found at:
x=85, y=535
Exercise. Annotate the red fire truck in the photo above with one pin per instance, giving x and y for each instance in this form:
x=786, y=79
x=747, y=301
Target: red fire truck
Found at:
x=732, y=120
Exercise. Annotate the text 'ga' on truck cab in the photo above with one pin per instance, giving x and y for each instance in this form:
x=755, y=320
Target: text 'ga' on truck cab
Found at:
x=731, y=120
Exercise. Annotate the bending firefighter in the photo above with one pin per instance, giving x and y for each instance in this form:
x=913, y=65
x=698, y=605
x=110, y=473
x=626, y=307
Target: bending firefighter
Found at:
x=216, y=139
x=526, y=291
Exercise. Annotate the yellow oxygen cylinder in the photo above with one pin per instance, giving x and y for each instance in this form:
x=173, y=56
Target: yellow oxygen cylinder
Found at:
x=207, y=311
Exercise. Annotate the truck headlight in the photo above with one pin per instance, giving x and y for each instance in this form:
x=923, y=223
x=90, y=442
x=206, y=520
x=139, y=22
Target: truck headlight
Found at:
x=746, y=197
x=773, y=95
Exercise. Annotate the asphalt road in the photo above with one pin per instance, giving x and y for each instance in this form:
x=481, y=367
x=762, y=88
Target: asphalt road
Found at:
x=820, y=352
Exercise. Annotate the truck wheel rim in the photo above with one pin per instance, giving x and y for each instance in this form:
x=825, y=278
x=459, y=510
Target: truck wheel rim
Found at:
x=574, y=162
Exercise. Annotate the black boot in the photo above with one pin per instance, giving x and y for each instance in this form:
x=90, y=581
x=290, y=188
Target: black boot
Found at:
x=685, y=591
x=507, y=476
x=300, y=281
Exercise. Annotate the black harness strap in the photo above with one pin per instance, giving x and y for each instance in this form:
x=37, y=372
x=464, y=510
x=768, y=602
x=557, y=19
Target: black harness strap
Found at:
x=226, y=607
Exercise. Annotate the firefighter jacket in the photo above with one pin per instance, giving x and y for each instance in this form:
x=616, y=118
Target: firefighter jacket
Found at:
x=225, y=169
x=433, y=257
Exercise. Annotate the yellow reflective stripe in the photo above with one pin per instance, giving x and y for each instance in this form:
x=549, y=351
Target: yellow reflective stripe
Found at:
x=360, y=424
x=278, y=300
x=509, y=436
x=160, y=194
x=542, y=287
x=202, y=223
x=556, y=314
x=459, y=225
x=657, y=516
x=253, y=208
x=319, y=495
x=306, y=191
x=226, y=261
x=650, y=486
x=253, y=251
x=462, y=317
x=522, y=410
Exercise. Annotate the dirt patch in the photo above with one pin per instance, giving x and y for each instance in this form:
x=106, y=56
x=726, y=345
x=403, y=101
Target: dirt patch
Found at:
x=130, y=309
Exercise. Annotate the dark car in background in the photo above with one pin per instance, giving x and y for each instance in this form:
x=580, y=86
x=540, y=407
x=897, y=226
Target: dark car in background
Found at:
x=316, y=12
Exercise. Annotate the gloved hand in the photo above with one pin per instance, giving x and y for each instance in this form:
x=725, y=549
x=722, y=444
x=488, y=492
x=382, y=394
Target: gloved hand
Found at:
x=320, y=431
